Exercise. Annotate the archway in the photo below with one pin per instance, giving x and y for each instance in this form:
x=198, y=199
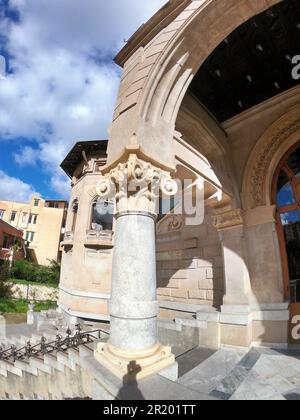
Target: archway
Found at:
x=142, y=147
x=286, y=196
x=159, y=70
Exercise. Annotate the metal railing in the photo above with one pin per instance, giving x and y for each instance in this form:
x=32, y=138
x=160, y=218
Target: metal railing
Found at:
x=44, y=347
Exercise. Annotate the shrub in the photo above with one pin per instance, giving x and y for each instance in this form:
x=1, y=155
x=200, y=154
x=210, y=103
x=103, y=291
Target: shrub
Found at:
x=25, y=270
x=5, y=285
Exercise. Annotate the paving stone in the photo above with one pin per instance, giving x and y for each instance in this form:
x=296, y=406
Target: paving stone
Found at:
x=284, y=366
x=207, y=377
x=232, y=382
x=282, y=385
x=191, y=359
x=254, y=388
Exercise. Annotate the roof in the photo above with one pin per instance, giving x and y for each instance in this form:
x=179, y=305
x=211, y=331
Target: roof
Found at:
x=149, y=30
x=9, y=229
x=74, y=157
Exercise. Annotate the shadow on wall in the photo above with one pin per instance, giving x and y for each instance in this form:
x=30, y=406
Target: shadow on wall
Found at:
x=189, y=262
x=130, y=390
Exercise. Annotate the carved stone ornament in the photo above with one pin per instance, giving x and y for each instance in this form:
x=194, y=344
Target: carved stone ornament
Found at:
x=228, y=219
x=135, y=185
x=170, y=223
x=272, y=140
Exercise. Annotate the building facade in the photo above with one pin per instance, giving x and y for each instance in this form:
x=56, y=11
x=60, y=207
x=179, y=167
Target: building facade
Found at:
x=209, y=93
x=42, y=223
x=85, y=282
x=12, y=245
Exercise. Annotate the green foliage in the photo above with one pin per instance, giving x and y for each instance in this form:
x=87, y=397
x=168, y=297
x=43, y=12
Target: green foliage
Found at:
x=5, y=286
x=33, y=283
x=10, y=306
x=35, y=273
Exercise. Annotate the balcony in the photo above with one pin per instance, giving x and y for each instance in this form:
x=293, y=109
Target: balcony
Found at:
x=68, y=239
x=99, y=238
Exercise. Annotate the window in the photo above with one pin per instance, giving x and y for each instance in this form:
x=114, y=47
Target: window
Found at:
x=6, y=242
x=75, y=212
x=36, y=203
x=13, y=216
x=52, y=205
x=102, y=215
x=2, y=214
x=33, y=219
x=29, y=236
x=288, y=213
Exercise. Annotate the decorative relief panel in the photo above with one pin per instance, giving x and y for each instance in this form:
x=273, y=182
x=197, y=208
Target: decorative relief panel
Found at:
x=262, y=156
x=228, y=219
x=170, y=223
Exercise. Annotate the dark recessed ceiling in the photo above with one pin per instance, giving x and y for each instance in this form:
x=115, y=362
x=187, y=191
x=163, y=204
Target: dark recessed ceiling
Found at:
x=253, y=64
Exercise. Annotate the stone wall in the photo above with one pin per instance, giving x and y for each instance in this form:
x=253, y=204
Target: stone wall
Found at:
x=189, y=263
x=35, y=293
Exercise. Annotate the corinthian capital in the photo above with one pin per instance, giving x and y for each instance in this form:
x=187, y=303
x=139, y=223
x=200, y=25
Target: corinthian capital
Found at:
x=136, y=185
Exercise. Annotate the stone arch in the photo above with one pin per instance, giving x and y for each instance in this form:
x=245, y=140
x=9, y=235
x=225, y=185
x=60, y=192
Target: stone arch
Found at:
x=157, y=75
x=265, y=157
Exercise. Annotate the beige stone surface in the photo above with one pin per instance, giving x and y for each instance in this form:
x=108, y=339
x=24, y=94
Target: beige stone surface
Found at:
x=233, y=256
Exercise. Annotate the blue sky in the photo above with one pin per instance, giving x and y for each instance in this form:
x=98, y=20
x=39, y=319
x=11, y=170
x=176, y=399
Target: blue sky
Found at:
x=60, y=84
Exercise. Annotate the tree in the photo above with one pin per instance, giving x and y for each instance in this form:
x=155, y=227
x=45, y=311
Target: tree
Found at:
x=5, y=285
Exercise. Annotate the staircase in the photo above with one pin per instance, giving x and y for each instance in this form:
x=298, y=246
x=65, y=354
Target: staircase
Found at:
x=53, y=376
x=226, y=374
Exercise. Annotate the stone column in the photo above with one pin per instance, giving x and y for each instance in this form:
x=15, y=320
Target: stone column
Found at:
x=236, y=316
x=230, y=225
x=133, y=350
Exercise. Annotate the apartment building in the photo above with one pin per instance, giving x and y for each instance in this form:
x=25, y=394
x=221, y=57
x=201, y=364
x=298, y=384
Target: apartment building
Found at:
x=42, y=223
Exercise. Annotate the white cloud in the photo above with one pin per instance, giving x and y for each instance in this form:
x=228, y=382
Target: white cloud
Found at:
x=15, y=189
x=64, y=84
x=28, y=156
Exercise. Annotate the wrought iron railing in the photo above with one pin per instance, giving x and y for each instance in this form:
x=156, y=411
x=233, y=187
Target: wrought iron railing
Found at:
x=44, y=347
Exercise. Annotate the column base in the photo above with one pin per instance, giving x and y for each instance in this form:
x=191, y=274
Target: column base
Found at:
x=134, y=366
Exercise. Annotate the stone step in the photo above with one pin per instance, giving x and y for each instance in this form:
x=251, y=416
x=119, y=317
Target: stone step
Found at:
x=86, y=350
x=3, y=372
x=26, y=367
x=74, y=356
x=208, y=375
x=10, y=367
x=52, y=361
x=12, y=341
x=39, y=363
x=65, y=360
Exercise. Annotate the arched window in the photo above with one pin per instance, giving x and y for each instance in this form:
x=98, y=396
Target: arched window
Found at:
x=102, y=215
x=287, y=197
x=74, y=214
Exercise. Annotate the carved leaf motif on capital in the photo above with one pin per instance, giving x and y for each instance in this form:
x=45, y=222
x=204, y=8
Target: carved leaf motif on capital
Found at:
x=135, y=185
